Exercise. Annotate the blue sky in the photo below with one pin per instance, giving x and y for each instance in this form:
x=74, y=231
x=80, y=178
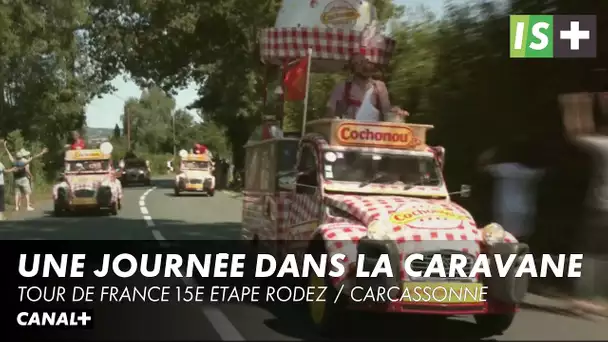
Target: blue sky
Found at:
x=106, y=111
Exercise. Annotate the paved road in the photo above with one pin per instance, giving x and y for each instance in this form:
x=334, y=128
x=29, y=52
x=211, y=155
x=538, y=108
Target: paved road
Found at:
x=194, y=218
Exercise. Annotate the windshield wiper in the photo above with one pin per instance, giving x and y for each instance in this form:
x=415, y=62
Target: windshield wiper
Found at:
x=422, y=182
x=375, y=178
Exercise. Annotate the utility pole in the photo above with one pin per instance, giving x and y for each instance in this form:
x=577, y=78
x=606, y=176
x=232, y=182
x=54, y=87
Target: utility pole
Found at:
x=127, y=116
x=174, y=145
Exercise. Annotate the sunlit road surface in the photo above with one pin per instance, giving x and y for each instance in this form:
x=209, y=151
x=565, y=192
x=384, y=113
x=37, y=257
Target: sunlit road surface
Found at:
x=198, y=217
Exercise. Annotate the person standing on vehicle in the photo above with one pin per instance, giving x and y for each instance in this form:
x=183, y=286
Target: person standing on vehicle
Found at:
x=77, y=142
x=348, y=97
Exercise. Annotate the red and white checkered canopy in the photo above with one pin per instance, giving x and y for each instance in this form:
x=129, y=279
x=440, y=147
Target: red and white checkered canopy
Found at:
x=331, y=47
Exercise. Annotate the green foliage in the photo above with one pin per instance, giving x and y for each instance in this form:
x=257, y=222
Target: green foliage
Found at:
x=116, y=134
x=453, y=72
x=156, y=127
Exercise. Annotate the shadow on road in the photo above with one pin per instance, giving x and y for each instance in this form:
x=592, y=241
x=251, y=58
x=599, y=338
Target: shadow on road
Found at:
x=137, y=186
x=79, y=213
x=188, y=194
x=293, y=321
x=552, y=309
x=164, y=183
x=93, y=225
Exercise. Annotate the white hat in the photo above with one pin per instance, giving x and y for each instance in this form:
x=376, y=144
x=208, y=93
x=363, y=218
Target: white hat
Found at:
x=22, y=153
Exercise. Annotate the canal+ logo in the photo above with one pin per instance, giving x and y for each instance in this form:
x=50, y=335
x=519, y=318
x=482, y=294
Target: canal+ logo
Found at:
x=553, y=36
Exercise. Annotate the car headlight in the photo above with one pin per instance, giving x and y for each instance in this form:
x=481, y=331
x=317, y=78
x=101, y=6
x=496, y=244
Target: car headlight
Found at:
x=335, y=212
x=106, y=183
x=376, y=230
x=493, y=233
x=141, y=172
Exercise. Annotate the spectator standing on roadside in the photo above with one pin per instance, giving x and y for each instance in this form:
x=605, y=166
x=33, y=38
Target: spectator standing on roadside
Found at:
x=514, y=194
x=3, y=170
x=22, y=180
x=593, y=237
x=22, y=175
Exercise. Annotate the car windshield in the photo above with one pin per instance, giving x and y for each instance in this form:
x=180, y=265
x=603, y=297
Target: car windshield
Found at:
x=87, y=165
x=135, y=163
x=195, y=165
x=366, y=168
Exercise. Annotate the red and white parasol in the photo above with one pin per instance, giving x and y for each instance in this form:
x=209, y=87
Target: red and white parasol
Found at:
x=332, y=29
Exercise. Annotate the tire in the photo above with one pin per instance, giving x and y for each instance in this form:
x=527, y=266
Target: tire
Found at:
x=211, y=193
x=58, y=211
x=494, y=324
x=114, y=209
x=148, y=182
x=329, y=318
x=176, y=191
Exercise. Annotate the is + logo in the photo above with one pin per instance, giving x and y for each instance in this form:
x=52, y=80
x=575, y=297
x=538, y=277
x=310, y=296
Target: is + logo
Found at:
x=553, y=36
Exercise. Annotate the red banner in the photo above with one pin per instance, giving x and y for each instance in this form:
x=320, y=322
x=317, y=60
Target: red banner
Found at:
x=295, y=81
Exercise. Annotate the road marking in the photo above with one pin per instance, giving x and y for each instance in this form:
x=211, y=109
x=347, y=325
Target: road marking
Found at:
x=218, y=320
x=158, y=236
x=222, y=324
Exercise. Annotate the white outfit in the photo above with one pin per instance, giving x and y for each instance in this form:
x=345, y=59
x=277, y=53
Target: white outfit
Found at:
x=368, y=112
x=514, y=197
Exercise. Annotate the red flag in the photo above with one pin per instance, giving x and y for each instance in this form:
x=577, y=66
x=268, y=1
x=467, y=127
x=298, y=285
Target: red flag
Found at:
x=295, y=81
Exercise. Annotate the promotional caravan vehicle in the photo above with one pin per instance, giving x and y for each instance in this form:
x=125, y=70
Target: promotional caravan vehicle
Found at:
x=195, y=174
x=88, y=182
x=369, y=188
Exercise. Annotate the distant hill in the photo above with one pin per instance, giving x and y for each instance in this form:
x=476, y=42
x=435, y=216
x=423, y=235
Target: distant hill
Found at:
x=98, y=133
x=95, y=136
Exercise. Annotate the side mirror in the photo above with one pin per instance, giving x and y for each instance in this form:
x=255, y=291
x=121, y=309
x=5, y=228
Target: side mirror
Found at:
x=465, y=191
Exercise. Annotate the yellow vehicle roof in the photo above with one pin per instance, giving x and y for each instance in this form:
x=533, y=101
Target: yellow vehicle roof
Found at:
x=86, y=155
x=197, y=157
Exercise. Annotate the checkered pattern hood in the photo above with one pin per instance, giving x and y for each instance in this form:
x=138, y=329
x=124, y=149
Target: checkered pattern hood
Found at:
x=195, y=174
x=416, y=225
x=409, y=218
x=88, y=182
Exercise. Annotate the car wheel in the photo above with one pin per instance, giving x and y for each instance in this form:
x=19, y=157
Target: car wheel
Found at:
x=211, y=193
x=114, y=209
x=58, y=210
x=494, y=324
x=329, y=317
x=176, y=191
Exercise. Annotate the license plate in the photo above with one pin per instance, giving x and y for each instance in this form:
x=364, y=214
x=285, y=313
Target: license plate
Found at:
x=84, y=201
x=443, y=293
x=195, y=186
